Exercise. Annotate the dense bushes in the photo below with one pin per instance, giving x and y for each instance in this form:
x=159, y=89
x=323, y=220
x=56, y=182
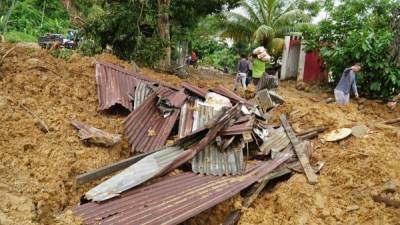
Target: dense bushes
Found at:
x=131, y=32
x=36, y=17
x=359, y=31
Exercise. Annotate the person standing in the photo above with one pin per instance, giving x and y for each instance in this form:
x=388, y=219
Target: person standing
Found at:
x=242, y=68
x=258, y=69
x=347, y=82
x=250, y=73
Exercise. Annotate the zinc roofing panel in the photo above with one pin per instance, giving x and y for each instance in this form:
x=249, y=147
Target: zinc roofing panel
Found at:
x=146, y=128
x=173, y=200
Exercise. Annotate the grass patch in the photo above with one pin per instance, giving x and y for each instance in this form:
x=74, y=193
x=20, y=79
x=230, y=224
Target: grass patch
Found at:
x=16, y=36
x=62, y=53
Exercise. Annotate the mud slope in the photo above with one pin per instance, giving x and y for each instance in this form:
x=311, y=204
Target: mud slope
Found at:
x=354, y=169
x=37, y=169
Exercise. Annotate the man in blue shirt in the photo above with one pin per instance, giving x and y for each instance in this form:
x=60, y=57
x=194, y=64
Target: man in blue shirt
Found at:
x=347, y=82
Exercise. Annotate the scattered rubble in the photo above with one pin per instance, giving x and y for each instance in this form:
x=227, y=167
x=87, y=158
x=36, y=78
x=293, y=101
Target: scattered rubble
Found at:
x=225, y=130
x=44, y=165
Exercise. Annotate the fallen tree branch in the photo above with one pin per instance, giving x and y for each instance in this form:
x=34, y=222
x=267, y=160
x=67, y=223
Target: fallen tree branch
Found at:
x=5, y=55
x=38, y=122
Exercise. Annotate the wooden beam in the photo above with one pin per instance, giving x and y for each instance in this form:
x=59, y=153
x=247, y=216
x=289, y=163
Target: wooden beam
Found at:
x=300, y=151
x=392, y=121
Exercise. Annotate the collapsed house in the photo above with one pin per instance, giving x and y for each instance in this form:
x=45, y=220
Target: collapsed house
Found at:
x=224, y=143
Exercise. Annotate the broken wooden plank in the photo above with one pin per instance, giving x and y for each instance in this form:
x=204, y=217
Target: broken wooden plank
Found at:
x=299, y=149
x=92, y=135
x=234, y=216
x=393, y=121
x=387, y=201
x=312, y=130
x=308, y=136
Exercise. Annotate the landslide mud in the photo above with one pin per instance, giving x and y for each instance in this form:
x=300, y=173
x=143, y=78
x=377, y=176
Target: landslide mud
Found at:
x=37, y=169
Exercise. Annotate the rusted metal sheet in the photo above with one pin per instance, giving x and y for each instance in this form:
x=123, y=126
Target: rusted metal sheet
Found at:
x=237, y=129
x=211, y=160
x=194, y=89
x=96, y=136
x=175, y=99
x=146, y=128
x=113, y=86
x=277, y=140
x=172, y=200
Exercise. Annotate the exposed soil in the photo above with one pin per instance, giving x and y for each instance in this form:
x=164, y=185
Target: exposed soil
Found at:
x=37, y=169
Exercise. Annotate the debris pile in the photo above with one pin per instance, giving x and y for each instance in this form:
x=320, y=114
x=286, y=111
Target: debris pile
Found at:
x=227, y=141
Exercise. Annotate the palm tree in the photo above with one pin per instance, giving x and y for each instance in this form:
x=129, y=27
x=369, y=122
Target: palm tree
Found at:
x=264, y=22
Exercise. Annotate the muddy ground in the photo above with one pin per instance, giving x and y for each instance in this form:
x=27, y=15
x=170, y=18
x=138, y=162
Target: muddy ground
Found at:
x=37, y=169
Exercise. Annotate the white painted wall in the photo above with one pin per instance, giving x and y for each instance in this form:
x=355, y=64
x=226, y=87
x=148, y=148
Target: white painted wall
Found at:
x=302, y=60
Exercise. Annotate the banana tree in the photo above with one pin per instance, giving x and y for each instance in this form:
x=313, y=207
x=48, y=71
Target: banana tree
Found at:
x=264, y=22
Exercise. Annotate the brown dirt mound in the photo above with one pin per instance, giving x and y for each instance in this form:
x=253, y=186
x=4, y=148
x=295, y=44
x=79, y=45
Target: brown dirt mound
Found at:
x=37, y=169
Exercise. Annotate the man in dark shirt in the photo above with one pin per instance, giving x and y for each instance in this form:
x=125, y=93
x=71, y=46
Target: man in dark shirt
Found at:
x=242, y=68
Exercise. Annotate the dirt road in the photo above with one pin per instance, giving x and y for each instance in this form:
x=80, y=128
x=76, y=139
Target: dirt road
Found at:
x=37, y=169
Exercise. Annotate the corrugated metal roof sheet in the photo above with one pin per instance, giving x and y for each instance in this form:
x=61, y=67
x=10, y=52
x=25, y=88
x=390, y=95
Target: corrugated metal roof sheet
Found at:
x=277, y=139
x=113, y=86
x=141, y=92
x=186, y=118
x=177, y=98
x=146, y=128
x=237, y=129
x=134, y=175
x=194, y=89
x=174, y=199
x=211, y=160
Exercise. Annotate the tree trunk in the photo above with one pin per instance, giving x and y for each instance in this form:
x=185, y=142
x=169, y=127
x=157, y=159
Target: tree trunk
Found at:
x=163, y=27
x=8, y=17
x=395, y=24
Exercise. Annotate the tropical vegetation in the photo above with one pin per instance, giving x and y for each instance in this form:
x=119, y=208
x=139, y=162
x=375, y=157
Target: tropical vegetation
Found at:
x=361, y=31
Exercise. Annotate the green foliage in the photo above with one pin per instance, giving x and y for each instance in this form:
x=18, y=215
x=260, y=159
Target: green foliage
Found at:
x=15, y=37
x=130, y=27
x=89, y=47
x=359, y=31
x=264, y=20
x=220, y=58
x=132, y=33
x=35, y=17
x=87, y=7
x=62, y=53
